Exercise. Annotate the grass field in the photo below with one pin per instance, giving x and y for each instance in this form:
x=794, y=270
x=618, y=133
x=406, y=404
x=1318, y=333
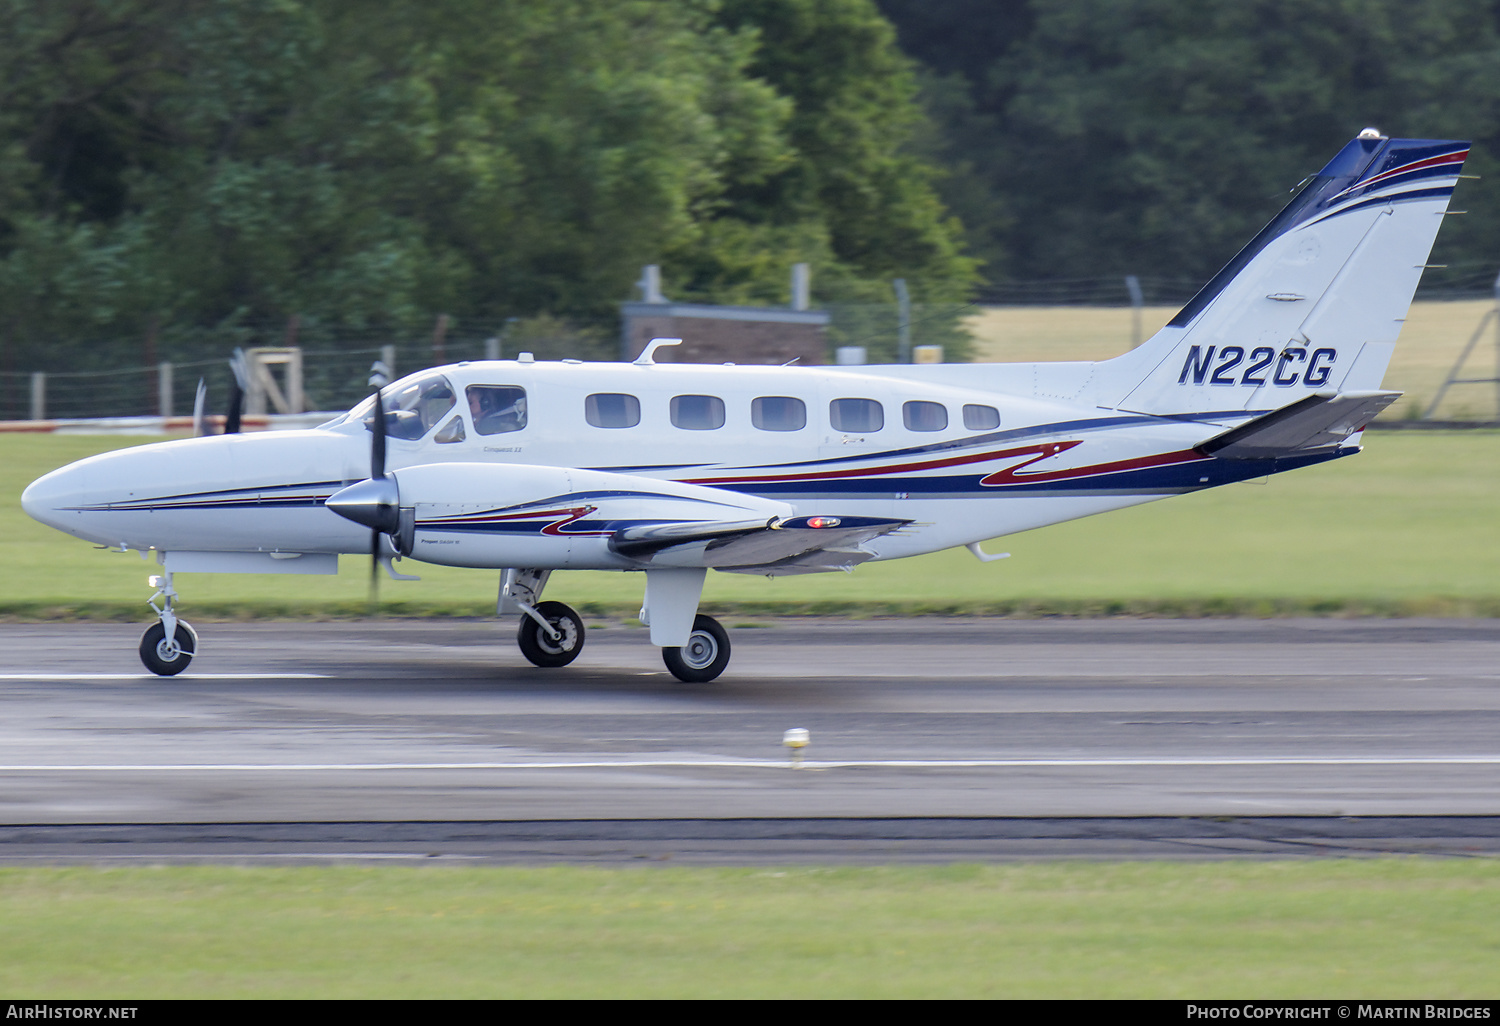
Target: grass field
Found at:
x=1408, y=527
x=1432, y=339
x=1377, y=928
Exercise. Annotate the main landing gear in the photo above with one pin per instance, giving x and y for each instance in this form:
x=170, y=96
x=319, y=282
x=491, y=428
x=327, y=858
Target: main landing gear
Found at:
x=552, y=634
x=169, y=644
x=704, y=656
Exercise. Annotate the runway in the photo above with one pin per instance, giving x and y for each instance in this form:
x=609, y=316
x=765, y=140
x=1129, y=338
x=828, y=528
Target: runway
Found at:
x=930, y=738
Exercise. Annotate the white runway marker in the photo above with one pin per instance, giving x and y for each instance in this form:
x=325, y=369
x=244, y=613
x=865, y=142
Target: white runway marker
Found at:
x=152, y=676
x=712, y=763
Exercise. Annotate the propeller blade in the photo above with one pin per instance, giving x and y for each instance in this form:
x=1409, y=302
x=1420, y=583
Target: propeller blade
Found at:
x=377, y=474
x=236, y=406
x=198, y=409
x=377, y=437
x=374, y=572
x=237, y=388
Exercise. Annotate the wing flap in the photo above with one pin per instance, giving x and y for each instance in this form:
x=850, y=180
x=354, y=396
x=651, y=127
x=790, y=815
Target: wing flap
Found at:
x=644, y=541
x=818, y=561
x=1322, y=420
x=810, y=544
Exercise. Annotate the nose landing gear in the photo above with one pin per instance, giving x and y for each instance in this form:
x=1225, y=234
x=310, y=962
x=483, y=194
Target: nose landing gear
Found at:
x=169, y=644
x=168, y=658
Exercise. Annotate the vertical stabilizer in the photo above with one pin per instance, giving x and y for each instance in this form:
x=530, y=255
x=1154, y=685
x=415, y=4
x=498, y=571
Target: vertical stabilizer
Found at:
x=1313, y=303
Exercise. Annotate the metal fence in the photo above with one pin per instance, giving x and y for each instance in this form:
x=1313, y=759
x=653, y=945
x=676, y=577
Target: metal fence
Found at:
x=335, y=377
x=332, y=380
x=1111, y=291
x=96, y=379
x=1463, y=280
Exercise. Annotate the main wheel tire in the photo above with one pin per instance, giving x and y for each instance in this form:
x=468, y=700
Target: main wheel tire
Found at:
x=705, y=655
x=167, y=659
x=542, y=650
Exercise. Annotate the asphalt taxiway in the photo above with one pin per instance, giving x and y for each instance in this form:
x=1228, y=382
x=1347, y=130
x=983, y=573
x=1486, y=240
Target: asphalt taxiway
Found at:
x=930, y=739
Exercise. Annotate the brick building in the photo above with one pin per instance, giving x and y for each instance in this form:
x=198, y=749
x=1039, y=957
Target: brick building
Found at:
x=725, y=334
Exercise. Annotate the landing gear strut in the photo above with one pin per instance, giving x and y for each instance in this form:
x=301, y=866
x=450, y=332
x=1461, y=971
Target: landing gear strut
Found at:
x=169, y=644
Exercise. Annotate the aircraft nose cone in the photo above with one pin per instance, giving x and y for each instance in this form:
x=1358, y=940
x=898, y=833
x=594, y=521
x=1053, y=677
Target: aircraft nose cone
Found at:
x=43, y=498
x=373, y=502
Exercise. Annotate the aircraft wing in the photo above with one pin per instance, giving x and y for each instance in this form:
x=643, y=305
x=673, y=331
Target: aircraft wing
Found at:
x=507, y=515
x=1318, y=421
x=797, y=545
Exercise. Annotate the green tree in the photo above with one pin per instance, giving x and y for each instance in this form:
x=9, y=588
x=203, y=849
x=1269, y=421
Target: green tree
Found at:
x=856, y=201
x=369, y=164
x=1154, y=136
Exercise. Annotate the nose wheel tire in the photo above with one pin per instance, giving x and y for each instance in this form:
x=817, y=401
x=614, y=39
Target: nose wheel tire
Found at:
x=544, y=651
x=164, y=657
x=705, y=655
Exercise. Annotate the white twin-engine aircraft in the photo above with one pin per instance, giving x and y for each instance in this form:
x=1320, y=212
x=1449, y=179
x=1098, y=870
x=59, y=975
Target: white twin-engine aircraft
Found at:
x=529, y=467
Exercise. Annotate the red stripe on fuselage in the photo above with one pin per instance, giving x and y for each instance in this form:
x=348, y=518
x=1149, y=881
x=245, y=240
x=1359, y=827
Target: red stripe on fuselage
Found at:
x=1046, y=449
x=555, y=529
x=1010, y=475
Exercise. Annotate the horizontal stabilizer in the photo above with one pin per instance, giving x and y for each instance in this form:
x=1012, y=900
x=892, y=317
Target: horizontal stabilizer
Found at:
x=1322, y=420
x=805, y=542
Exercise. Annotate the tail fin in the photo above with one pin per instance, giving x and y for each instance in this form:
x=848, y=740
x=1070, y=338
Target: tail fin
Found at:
x=1313, y=303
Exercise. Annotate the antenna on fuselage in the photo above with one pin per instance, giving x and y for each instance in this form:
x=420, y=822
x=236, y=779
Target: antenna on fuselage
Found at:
x=646, y=359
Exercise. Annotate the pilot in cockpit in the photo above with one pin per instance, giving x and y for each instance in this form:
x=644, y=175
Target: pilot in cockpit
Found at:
x=496, y=409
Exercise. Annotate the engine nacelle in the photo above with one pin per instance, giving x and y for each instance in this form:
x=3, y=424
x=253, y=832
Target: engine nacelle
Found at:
x=487, y=515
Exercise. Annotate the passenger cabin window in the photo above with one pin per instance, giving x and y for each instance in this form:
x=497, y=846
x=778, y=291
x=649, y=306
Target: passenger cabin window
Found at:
x=612, y=410
x=856, y=415
x=981, y=418
x=698, y=412
x=413, y=409
x=921, y=416
x=778, y=413
x=496, y=409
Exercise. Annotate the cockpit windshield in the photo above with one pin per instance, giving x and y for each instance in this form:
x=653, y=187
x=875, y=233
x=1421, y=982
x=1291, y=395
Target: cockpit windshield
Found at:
x=411, y=409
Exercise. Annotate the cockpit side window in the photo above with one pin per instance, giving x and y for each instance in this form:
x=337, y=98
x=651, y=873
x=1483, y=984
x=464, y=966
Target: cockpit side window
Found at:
x=413, y=409
x=453, y=431
x=496, y=409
